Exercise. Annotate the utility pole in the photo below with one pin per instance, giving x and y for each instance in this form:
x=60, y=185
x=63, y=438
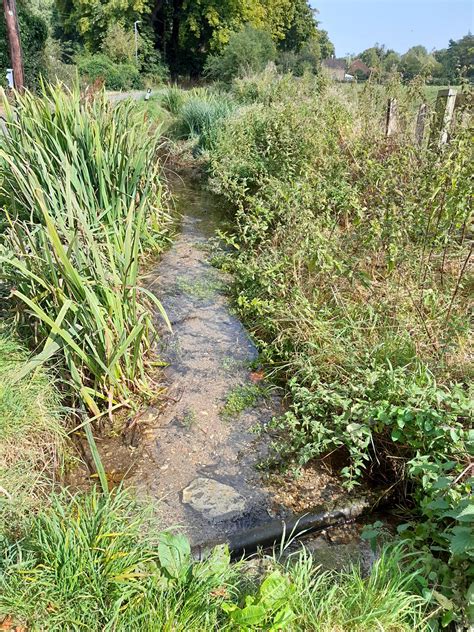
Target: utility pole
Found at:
x=13, y=33
x=135, y=29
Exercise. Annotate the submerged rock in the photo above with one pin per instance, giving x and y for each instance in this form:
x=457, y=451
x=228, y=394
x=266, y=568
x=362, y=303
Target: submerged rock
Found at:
x=216, y=501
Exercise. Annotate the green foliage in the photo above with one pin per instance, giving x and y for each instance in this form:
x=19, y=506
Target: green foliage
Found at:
x=89, y=21
x=200, y=117
x=356, y=294
x=269, y=609
x=457, y=60
x=82, y=204
x=92, y=563
x=116, y=76
x=241, y=398
x=249, y=50
x=97, y=563
x=417, y=62
x=119, y=44
x=385, y=600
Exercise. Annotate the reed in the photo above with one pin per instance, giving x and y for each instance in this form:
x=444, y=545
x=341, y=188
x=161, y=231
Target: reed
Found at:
x=82, y=201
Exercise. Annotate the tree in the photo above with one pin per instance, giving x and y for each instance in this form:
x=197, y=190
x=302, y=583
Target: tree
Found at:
x=119, y=44
x=417, y=61
x=303, y=26
x=373, y=57
x=87, y=21
x=34, y=33
x=458, y=59
x=187, y=31
x=248, y=50
x=391, y=61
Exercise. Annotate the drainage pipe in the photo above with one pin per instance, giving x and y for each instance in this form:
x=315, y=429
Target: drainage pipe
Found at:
x=272, y=532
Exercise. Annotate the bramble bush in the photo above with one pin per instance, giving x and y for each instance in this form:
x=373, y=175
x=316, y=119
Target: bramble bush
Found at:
x=351, y=259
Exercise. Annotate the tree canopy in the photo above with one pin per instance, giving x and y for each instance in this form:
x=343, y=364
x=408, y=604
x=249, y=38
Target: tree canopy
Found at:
x=187, y=31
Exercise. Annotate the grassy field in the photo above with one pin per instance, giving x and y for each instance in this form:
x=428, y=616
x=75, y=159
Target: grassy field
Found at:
x=32, y=437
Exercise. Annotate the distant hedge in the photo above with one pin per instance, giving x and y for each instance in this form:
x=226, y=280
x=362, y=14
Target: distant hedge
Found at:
x=115, y=76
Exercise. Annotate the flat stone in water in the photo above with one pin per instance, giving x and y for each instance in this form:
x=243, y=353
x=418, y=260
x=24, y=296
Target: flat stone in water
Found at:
x=214, y=500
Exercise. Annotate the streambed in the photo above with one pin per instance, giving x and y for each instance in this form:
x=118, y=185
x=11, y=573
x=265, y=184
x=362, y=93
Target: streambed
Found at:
x=196, y=454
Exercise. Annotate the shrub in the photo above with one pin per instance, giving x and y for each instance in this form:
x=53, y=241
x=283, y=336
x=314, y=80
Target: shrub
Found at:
x=119, y=45
x=249, y=50
x=357, y=294
x=200, y=116
x=123, y=76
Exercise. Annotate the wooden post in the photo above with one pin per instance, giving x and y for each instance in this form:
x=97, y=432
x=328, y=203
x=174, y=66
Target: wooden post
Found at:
x=445, y=104
x=420, y=124
x=391, y=125
x=13, y=34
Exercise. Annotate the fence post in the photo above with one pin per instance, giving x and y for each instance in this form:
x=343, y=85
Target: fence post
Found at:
x=420, y=124
x=391, y=125
x=445, y=104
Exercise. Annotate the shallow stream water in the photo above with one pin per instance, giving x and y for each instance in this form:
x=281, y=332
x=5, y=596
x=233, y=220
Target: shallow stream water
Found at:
x=195, y=460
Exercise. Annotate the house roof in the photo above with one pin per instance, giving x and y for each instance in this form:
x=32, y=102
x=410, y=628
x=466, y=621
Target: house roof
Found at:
x=334, y=64
x=358, y=64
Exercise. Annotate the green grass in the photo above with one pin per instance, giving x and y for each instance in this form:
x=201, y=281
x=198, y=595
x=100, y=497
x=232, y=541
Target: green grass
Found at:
x=347, y=601
x=96, y=563
x=32, y=437
x=203, y=289
x=241, y=398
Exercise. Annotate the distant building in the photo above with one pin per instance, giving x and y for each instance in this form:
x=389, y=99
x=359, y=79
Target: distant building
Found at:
x=336, y=68
x=359, y=69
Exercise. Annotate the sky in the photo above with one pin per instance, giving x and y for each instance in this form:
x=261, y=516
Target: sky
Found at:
x=354, y=25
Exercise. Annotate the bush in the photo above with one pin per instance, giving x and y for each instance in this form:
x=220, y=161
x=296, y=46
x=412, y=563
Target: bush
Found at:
x=119, y=45
x=357, y=296
x=249, y=50
x=123, y=76
x=201, y=115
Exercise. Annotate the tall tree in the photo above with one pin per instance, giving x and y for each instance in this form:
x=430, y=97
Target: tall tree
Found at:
x=458, y=59
x=87, y=21
x=417, y=61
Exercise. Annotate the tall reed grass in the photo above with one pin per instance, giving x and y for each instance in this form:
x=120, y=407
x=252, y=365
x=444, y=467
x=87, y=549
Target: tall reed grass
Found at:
x=82, y=202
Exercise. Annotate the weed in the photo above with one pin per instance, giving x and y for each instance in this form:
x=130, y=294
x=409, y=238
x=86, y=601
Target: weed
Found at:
x=350, y=258
x=202, y=289
x=79, y=218
x=242, y=397
x=189, y=418
x=96, y=563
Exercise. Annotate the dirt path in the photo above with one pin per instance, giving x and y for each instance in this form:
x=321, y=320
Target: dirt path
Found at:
x=201, y=459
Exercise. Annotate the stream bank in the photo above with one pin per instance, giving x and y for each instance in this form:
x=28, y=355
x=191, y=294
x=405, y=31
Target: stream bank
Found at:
x=195, y=453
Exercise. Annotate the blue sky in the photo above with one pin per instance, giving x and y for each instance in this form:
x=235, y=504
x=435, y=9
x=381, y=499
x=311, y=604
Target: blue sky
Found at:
x=354, y=25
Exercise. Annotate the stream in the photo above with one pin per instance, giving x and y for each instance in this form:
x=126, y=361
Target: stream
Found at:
x=195, y=454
